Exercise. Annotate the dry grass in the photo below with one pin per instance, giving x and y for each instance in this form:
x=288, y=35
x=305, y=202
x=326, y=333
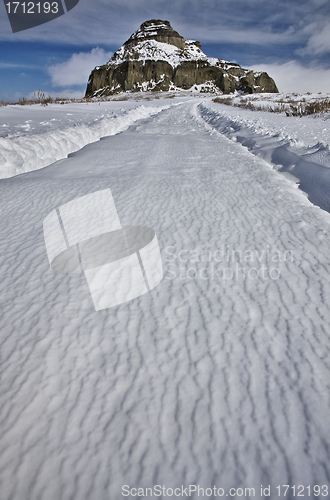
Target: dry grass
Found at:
x=224, y=100
x=44, y=100
x=310, y=108
x=38, y=98
x=288, y=105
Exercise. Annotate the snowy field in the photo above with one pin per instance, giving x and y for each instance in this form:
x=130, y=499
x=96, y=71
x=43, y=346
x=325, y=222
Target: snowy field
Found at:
x=220, y=376
x=33, y=137
x=266, y=101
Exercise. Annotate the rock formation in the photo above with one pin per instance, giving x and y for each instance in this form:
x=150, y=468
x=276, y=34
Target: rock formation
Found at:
x=157, y=58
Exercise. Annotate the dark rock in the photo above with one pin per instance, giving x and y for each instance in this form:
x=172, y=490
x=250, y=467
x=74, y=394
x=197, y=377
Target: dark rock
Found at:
x=158, y=30
x=156, y=57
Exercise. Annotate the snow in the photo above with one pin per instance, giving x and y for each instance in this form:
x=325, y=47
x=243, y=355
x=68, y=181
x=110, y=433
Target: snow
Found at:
x=220, y=376
x=159, y=51
x=35, y=144
x=305, y=131
x=268, y=101
x=149, y=30
x=297, y=146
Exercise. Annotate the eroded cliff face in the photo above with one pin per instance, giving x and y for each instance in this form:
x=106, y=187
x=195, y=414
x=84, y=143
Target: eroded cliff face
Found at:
x=157, y=58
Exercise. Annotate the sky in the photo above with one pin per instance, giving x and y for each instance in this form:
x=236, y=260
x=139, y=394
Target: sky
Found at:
x=288, y=39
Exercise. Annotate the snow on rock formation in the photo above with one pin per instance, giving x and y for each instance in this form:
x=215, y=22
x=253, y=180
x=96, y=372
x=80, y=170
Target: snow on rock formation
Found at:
x=157, y=58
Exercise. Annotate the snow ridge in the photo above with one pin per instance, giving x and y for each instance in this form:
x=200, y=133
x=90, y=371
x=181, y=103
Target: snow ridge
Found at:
x=32, y=152
x=299, y=159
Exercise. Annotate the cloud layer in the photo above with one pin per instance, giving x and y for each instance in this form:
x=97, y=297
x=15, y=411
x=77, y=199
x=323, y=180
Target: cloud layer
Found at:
x=293, y=36
x=319, y=41
x=251, y=21
x=293, y=77
x=76, y=70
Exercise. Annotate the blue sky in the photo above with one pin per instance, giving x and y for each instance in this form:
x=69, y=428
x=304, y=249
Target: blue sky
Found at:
x=289, y=39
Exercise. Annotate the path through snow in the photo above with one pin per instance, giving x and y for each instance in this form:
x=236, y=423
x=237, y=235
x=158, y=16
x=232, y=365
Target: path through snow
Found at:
x=211, y=378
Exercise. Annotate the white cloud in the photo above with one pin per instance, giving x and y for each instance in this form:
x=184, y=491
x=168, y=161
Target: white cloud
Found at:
x=112, y=23
x=319, y=42
x=293, y=77
x=76, y=70
x=262, y=37
x=6, y=65
x=320, y=2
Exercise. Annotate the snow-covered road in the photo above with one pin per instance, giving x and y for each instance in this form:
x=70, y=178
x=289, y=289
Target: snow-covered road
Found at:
x=220, y=376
